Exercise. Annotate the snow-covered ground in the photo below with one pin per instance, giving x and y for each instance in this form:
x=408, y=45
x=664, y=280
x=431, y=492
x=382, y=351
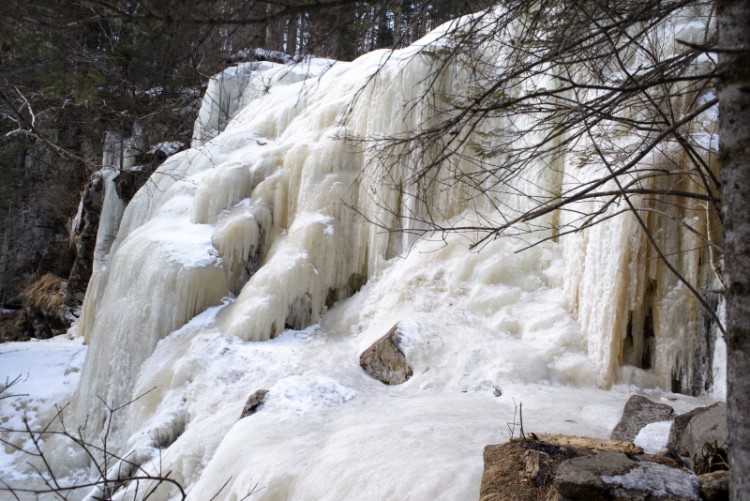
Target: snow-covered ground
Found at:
x=472, y=326
x=46, y=374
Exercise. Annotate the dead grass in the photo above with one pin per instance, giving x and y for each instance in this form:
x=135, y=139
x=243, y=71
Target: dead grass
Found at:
x=47, y=293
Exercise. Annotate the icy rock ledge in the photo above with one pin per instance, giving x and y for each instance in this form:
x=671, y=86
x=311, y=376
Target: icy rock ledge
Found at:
x=613, y=475
x=572, y=468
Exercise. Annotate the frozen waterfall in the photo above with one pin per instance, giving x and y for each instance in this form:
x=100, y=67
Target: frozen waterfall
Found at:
x=248, y=262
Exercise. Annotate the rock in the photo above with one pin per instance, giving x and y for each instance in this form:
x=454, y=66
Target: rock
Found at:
x=638, y=412
x=14, y=325
x=613, y=475
x=384, y=360
x=129, y=181
x=701, y=436
x=83, y=236
x=580, y=478
x=253, y=402
x=536, y=467
x=715, y=485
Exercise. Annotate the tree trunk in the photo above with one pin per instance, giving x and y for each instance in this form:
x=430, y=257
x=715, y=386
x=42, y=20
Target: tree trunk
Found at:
x=734, y=133
x=291, y=35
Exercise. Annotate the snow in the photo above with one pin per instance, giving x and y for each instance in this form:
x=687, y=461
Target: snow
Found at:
x=46, y=373
x=653, y=437
x=167, y=147
x=44, y=366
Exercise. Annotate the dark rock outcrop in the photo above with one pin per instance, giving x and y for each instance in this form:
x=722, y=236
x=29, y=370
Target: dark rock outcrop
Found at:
x=14, y=325
x=83, y=237
x=128, y=182
x=638, y=412
x=613, y=475
x=384, y=360
x=253, y=402
x=701, y=436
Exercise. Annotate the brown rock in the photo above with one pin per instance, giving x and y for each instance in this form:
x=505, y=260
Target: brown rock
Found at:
x=14, y=326
x=537, y=467
x=253, y=402
x=638, y=412
x=83, y=237
x=384, y=360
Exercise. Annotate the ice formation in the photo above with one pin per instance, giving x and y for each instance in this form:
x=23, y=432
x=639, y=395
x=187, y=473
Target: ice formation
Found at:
x=247, y=263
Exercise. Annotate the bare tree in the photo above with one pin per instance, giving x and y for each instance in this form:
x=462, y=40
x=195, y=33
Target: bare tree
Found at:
x=112, y=471
x=734, y=120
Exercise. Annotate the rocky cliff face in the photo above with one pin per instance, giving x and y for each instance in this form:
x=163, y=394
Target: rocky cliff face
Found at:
x=39, y=194
x=50, y=218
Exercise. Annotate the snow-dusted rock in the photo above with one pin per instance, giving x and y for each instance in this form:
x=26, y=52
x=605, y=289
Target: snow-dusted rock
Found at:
x=638, y=412
x=612, y=475
x=253, y=402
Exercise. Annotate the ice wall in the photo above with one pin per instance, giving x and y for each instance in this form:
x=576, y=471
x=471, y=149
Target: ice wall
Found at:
x=266, y=219
x=643, y=325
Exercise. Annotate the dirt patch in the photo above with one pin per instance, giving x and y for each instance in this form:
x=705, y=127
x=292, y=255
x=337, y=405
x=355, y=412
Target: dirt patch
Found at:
x=510, y=471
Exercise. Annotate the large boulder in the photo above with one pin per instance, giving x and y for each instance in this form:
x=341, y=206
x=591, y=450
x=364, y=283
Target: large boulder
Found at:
x=638, y=412
x=385, y=361
x=701, y=437
x=613, y=475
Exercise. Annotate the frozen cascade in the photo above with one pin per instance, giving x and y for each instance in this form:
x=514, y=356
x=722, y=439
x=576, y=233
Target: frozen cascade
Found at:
x=118, y=154
x=257, y=234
